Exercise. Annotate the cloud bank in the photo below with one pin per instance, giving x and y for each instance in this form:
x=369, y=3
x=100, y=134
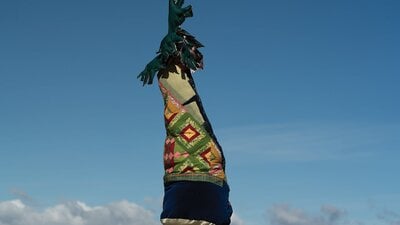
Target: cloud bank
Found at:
x=15, y=212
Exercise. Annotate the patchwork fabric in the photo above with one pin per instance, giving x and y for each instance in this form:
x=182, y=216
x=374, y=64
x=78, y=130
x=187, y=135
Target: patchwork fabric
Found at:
x=190, y=153
x=196, y=191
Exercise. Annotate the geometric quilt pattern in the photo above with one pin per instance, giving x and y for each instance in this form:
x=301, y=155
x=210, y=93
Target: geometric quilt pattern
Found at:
x=188, y=149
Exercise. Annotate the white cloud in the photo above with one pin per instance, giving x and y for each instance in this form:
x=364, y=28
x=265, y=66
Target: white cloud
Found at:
x=333, y=213
x=286, y=215
x=235, y=220
x=389, y=217
x=307, y=141
x=15, y=212
x=20, y=194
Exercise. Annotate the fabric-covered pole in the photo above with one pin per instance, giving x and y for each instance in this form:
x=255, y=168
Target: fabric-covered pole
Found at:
x=196, y=191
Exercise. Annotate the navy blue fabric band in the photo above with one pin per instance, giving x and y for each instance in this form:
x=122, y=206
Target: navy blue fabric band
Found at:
x=194, y=200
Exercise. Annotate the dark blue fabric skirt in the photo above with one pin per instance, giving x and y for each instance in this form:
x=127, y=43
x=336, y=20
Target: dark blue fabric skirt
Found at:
x=195, y=200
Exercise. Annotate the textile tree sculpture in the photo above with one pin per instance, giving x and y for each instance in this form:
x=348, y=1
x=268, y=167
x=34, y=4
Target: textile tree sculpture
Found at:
x=196, y=191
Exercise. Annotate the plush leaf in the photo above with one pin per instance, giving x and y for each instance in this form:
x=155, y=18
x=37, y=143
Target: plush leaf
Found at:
x=178, y=47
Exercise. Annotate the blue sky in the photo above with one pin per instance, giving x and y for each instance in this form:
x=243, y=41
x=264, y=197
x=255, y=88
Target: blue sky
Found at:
x=303, y=96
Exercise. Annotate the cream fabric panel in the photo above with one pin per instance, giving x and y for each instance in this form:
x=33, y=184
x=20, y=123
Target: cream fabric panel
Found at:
x=184, y=222
x=181, y=89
